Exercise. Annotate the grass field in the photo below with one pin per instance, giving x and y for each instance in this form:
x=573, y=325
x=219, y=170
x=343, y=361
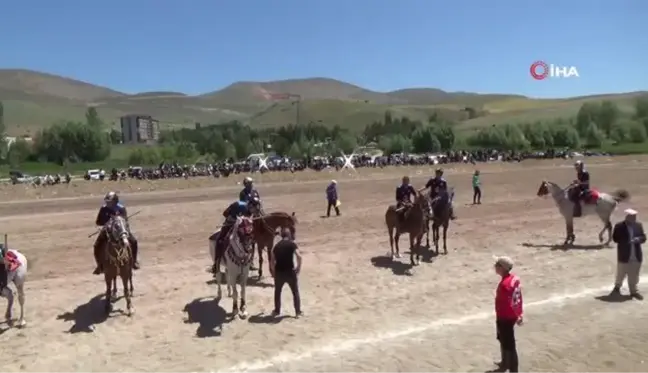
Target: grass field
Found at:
x=33, y=100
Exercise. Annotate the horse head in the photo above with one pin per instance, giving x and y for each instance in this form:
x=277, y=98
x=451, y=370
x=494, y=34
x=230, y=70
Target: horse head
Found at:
x=245, y=233
x=423, y=202
x=118, y=230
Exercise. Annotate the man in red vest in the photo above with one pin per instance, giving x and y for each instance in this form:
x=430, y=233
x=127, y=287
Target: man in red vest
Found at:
x=508, y=313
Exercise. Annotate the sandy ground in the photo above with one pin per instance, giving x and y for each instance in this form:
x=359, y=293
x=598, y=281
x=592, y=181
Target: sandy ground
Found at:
x=363, y=313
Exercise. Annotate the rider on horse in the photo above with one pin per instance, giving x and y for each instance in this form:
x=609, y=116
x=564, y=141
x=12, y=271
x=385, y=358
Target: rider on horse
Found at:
x=403, y=196
x=436, y=184
x=581, y=187
x=231, y=213
x=110, y=208
x=249, y=194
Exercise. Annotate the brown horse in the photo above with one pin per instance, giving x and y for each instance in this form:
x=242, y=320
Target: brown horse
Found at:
x=118, y=261
x=265, y=230
x=440, y=218
x=413, y=222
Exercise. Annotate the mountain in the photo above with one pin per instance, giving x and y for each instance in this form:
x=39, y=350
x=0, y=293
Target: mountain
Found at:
x=34, y=99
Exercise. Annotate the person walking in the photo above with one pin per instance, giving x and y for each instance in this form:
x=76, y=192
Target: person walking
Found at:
x=629, y=236
x=332, y=198
x=476, y=184
x=284, y=271
x=508, y=313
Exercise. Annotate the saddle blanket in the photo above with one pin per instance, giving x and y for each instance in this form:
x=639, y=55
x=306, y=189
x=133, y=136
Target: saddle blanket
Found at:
x=592, y=197
x=11, y=261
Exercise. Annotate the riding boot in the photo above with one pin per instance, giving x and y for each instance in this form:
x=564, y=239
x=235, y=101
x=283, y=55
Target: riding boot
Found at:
x=577, y=209
x=97, y=255
x=135, y=248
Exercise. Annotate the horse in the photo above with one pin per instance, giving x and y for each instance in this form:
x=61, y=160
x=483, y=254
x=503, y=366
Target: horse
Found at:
x=237, y=258
x=602, y=204
x=118, y=261
x=414, y=222
x=440, y=217
x=265, y=230
x=14, y=267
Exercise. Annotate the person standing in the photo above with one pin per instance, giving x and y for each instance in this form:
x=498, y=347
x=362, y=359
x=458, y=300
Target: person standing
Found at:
x=332, y=198
x=476, y=184
x=508, y=313
x=628, y=235
x=284, y=271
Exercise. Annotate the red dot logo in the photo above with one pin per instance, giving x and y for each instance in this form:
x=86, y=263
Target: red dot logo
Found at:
x=539, y=70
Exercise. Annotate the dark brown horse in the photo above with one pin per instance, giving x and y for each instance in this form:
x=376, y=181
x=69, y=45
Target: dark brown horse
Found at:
x=265, y=230
x=118, y=261
x=440, y=218
x=413, y=222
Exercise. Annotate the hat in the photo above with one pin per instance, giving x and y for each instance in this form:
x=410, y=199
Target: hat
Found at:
x=630, y=212
x=504, y=262
x=333, y=182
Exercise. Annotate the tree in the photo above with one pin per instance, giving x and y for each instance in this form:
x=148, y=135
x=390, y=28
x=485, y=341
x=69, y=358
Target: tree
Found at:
x=446, y=136
x=186, y=151
x=3, y=133
x=92, y=118
x=608, y=115
x=72, y=141
x=594, y=137
x=641, y=107
x=424, y=140
x=637, y=133
x=19, y=152
x=586, y=115
x=345, y=143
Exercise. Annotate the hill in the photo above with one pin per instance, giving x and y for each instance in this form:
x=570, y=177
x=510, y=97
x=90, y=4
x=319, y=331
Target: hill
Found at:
x=33, y=100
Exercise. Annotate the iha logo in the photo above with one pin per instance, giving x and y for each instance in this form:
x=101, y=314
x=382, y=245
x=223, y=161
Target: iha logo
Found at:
x=541, y=70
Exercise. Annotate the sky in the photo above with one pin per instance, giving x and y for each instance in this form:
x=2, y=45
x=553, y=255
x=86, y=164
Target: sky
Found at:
x=198, y=46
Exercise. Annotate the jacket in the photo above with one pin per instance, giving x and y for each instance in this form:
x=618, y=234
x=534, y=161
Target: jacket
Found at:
x=106, y=212
x=331, y=193
x=621, y=236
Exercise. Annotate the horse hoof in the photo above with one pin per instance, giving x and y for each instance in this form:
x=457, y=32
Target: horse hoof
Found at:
x=398, y=255
x=21, y=323
x=131, y=311
x=243, y=315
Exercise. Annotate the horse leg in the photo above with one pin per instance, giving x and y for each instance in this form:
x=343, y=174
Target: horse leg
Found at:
x=445, y=233
x=569, y=227
x=260, y=252
x=411, y=239
x=20, y=287
x=231, y=283
x=126, y=274
x=8, y=293
x=427, y=233
x=218, y=280
x=114, y=290
x=390, y=231
x=132, y=289
x=396, y=245
x=252, y=259
x=435, y=237
x=608, y=227
x=109, y=281
x=245, y=271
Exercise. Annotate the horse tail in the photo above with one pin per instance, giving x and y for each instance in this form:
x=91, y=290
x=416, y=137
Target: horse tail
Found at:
x=621, y=195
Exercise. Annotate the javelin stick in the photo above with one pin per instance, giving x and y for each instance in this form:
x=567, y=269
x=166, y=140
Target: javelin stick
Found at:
x=99, y=230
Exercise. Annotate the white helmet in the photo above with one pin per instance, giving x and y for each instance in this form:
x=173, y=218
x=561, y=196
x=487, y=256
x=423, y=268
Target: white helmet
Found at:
x=578, y=163
x=247, y=180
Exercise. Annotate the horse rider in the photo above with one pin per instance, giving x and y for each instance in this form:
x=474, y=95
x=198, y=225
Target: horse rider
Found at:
x=231, y=213
x=581, y=187
x=436, y=184
x=250, y=195
x=110, y=208
x=404, y=192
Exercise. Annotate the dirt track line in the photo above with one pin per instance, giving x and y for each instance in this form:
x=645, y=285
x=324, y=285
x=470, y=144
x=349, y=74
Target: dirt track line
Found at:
x=275, y=183
x=341, y=346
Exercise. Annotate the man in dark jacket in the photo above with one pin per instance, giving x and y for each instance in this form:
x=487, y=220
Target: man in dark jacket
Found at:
x=286, y=271
x=110, y=208
x=404, y=194
x=332, y=198
x=628, y=235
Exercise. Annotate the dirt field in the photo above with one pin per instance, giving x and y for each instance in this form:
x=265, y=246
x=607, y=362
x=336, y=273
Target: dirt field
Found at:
x=363, y=313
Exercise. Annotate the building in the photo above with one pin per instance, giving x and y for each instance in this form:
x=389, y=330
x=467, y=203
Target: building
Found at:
x=137, y=128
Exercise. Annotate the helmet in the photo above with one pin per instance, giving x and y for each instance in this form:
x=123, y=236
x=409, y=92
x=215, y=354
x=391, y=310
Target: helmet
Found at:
x=247, y=181
x=578, y=163
x=439, y=171
x=406, y=179
x=111, y=197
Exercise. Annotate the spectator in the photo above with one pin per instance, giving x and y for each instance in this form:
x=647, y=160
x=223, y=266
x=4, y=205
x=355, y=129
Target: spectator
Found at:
x=476, y=183
x=508, y=313
x=628, y=235
x=332, y=198
x=284, y=271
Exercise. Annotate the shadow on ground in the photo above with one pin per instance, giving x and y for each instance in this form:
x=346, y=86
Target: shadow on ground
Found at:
x=208, y=314
x=397, y=267
x=614, y=298
x=252, y=281
x=266, y=319
x=85, y=316
x=564, y=247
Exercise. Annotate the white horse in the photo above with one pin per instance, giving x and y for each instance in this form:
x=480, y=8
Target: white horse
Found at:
x=213, y=240
x=15, y=264
x=602, y=204
x=237, y=259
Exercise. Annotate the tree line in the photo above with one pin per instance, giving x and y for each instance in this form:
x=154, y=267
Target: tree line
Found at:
x=595, y=124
